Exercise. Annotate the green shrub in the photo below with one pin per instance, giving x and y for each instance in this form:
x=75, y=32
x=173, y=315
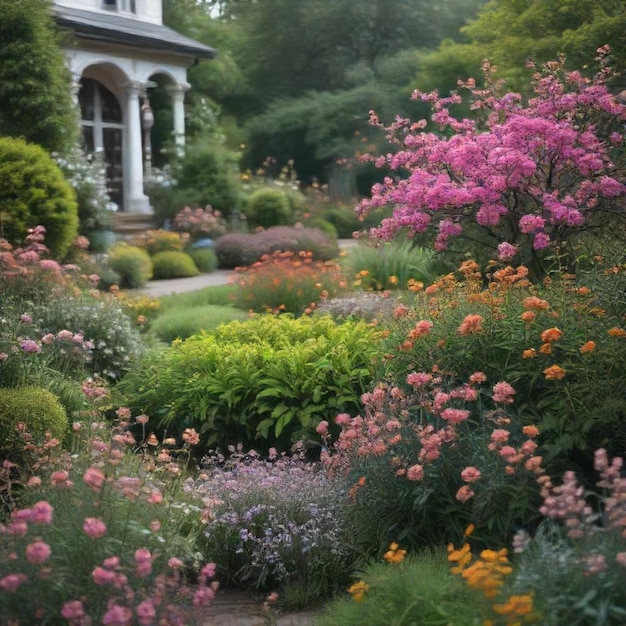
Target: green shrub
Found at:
x=132, y=264
x=204, y=258
x=268, y=207
x=33, y=191
x=344, y=220
x=217, y=294
x=273, y=378
x=155, y=241
x=419, y=591
x=173, y=264
x=38, y=409
x=388, y=265
x=326, y=227
x=182, y=323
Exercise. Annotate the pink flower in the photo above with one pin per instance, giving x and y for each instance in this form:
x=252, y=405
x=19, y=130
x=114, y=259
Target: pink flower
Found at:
x=322, y=428
x=102, y=576
x=499, y=435
x=60, y=478
x=94, y=478
x=155, y=526
x=41, y=513
x=503, y=392
x=94, y=527
x=156, y=497
x=175, y=563
x=73, y=610
x=455, y=416
x=342, y=419
x=143, y=559
x=12, y=582
x=470, y=474
x=415, y=472
x=37, y=552
x=146, y=612
x=30, y=347
x=506, y=251
x=478, y=377
x=203, y=596
x=508, y=453
x=620, y=557
x=111, y=562
x=209, y=570
x=117, y=616
x=142, y=419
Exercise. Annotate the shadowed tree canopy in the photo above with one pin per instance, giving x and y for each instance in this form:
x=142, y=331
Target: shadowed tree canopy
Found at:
x=35, y=86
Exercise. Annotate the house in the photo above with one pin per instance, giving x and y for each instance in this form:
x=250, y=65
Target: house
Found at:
x=120, y=49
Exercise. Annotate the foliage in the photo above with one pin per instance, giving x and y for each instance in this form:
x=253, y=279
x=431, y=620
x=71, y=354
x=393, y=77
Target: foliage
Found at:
x=582, y=544
x=389, y=265
x=101, y=534
x=285, y=282
x=87, y=175
x=425, y=462
x=220, y=295
x=200, y=222
x=523, y=180
x=173, y=264
x=132, y=264
x=181, y=323
x=554, y=344
x=344, y=220
x=238, y=249
x=205, y=259
x=275, y=524
x=267, y=207
x=263, y=382
x=33, y=191
x=37, y=409
x=35, y=85
x=419, y=590
x=155, y=241
x=206, y=175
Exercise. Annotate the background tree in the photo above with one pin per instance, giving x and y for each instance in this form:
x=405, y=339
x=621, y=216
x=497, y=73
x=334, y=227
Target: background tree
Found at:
x=35, y=85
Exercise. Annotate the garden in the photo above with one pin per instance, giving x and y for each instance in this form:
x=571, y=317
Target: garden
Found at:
x=425, y=429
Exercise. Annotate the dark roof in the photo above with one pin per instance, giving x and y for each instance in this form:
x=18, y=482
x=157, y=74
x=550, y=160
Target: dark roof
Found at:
x=115, y=28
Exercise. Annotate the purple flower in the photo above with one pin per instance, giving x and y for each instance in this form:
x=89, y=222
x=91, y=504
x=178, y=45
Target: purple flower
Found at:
x=30, y=346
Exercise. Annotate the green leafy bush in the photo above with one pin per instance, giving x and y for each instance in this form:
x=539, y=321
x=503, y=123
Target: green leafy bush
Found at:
x=389, y=265
x=204, y=258
x=132, y=264
x=38, y=409
x=182, y=323
x=172, y=264
x=33, y=191
x=269, y=378
x=155, y=241
x=345, y=221
x=268, y=207
x=216, y=294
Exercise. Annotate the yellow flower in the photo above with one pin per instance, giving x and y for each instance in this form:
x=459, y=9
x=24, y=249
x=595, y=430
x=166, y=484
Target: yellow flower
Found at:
x=358, y=590
x=394, y=554
x=393, y=280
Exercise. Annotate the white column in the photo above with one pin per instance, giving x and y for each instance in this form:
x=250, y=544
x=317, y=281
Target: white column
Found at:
x=135, y=200
x=177, y=93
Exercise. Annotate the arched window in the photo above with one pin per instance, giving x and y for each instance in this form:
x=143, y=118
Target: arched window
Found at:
x=103, y=132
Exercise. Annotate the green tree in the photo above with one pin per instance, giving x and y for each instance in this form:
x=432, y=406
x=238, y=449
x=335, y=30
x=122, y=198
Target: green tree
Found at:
x=35, y=85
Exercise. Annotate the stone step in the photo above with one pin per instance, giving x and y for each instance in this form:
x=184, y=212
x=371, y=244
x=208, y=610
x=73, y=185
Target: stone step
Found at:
x=129, y=224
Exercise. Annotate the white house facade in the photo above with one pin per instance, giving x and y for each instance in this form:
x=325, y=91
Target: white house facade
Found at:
x=120, y=48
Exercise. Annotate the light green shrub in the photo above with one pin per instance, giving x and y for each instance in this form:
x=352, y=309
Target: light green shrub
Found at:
x=204, y=258
x=38, y=409
x=268, y=207
x=183, y=323
x=155, y=241
x=173, y=264
x=33, y=191
x=268, y=378
x=132, y=264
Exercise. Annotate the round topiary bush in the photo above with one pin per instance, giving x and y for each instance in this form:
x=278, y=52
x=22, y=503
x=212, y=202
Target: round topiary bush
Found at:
x=204, y=258
x=33, y=191
x=132, y=264
x=38, y=409
x=173, y=264
x=268, y=207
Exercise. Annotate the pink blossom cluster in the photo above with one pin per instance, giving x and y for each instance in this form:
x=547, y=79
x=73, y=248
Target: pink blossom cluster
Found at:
x=529, y=171
x=194, y=221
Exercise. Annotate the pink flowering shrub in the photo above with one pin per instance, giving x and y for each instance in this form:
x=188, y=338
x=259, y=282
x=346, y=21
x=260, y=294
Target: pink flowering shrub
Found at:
x=575, y=565
x=200, y=222
x=523, y=176
x=97, y=535
x=427, y=461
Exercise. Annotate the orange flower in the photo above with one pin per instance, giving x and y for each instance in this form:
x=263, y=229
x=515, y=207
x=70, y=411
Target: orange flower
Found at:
x=616, y=332
x=472, y=324
x=531, y=353
x=394, y=554
x=528, y=316
x=535, y=303
x=554, y=372
x=530, y=431
x=551, y=334
x=588, y=346
x=545, y=348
